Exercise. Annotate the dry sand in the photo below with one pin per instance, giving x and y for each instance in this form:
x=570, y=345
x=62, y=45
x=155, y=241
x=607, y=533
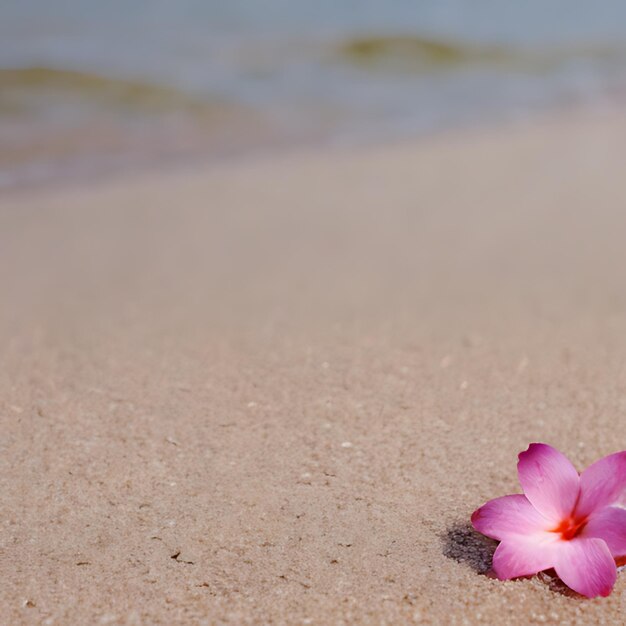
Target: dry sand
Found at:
x=274, y=392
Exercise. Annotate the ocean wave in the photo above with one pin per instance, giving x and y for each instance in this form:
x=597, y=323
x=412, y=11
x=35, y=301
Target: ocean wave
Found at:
x=57, y=123
x=413, y=52
x=21, y=87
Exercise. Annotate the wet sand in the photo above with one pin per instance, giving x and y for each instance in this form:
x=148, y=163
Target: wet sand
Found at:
x=274, y=391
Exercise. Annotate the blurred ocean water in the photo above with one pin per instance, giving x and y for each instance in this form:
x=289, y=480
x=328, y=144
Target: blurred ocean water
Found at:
x=87, y=86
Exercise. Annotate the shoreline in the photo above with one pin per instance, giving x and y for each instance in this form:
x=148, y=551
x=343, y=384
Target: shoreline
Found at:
x=277, y=149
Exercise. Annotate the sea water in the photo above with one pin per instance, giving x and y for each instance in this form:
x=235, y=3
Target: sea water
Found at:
x=87, y=85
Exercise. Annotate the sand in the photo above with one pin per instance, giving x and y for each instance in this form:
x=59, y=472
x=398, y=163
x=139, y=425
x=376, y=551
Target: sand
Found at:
x=274, y=391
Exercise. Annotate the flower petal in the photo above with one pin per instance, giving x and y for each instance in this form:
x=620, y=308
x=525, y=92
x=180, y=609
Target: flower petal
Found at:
x=523, y=556
x=602, y=484
x=509, y=515
x=549, y=480
x=585, y=565
x=609, y=524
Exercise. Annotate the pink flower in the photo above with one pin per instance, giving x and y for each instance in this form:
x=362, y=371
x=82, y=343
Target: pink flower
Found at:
x=566, y=521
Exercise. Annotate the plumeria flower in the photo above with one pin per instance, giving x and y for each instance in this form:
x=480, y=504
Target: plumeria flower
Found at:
x=573, y=523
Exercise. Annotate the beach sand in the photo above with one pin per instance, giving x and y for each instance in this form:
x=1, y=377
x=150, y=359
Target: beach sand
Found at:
x=274, y=391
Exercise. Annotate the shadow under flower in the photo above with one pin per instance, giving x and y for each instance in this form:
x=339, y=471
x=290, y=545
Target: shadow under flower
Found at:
x=555, y=584
x=461, y=543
